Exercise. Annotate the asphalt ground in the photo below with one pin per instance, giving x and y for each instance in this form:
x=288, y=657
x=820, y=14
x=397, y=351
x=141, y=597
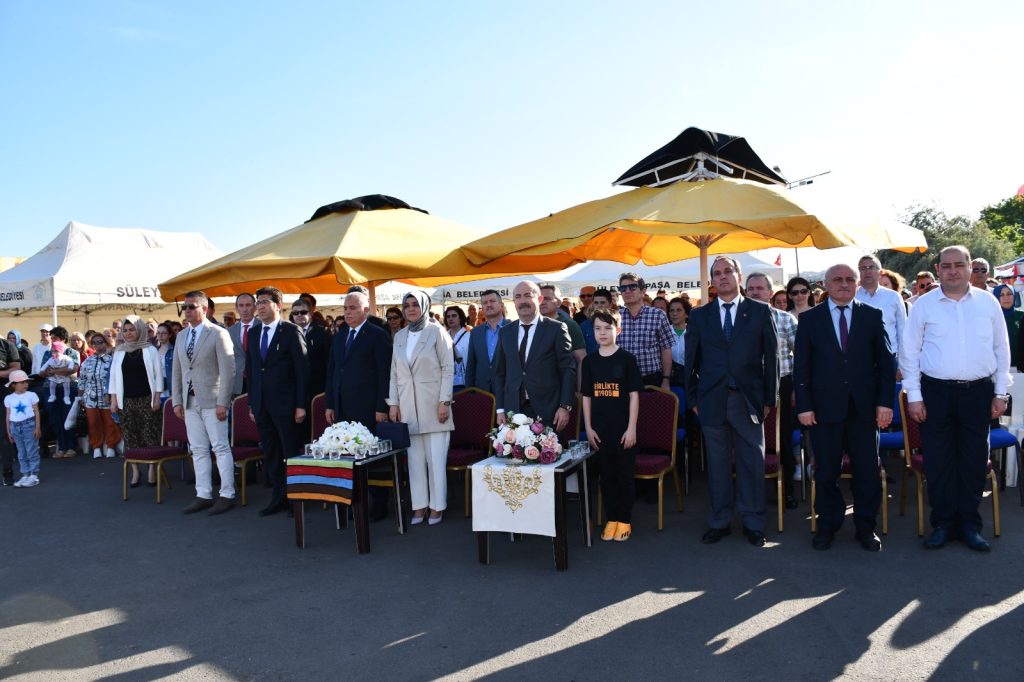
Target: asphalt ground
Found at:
x=97, y=588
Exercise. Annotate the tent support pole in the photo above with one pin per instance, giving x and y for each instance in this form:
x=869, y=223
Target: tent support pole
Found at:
x=55, y=312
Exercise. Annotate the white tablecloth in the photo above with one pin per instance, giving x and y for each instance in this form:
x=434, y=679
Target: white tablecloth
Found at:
x=513, y=498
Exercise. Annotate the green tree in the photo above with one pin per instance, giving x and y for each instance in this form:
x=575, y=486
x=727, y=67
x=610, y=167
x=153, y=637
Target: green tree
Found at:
x=1006, y=221
x=941, y=231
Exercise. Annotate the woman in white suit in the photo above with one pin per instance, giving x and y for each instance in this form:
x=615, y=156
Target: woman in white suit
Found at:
x=421, y=396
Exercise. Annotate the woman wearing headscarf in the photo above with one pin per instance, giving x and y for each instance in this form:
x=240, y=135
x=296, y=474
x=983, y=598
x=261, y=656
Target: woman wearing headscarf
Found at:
x=14, y=338
x=1012, y=317
x=136, y=381
x=421, y=395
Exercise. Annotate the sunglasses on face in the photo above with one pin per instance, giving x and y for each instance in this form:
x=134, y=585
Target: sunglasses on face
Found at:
x=979, y=270
x=628, y=287
x=98, y=342
x=190, y=306
x=393, y=317
x=799, y=292
x=300, y=312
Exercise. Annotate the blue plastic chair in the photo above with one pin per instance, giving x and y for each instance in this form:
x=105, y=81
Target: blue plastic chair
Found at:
x=999, y=441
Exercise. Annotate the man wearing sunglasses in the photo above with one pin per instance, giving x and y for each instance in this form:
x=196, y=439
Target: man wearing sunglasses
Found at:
x=318, y=345
x=646, y=332
x=979, y=274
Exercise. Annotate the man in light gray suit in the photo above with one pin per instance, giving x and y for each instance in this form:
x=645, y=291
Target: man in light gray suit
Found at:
x=201, y=382
x=245, y=306
x=535, y=371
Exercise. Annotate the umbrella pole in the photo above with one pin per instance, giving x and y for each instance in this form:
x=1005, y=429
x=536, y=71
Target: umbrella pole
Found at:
x=372, y=286
x=703, y=271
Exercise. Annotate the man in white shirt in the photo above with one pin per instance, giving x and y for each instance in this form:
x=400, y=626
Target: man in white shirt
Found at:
x=40, y=348
x=979, y=274
x=894, y=313
x=955, y=360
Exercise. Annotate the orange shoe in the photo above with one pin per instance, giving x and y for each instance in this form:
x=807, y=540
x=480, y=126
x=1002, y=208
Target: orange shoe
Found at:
x=610, y=530
x=623, y=532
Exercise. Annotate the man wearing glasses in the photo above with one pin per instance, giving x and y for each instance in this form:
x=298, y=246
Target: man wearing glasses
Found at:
x=646, y=332
x=201, y=383
x=894, y=313
x=979, y=274
x=586, y=300
x=955, y=361
x=318, y=345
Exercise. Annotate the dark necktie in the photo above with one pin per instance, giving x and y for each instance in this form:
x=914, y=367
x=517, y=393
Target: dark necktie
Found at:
x=245, y=337
x=844, y=329
x=522, y=344
x=349, y=340
x=522, y=363
x=727, y=325
x=191, y=343
x=264, y=343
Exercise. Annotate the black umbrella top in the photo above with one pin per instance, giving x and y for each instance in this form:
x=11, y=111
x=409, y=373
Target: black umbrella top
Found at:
x=681, y=156
x=370, y=202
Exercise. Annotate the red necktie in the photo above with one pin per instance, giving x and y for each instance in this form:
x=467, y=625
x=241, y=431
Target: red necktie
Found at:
x=245, y=337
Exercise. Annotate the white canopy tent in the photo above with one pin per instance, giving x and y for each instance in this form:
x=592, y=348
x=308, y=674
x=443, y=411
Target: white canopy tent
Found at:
x=88, y=268
x=680, y=276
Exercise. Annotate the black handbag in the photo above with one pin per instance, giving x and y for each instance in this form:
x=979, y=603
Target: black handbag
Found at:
x=396, y=432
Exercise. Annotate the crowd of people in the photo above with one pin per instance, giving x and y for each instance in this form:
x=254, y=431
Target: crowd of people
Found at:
x=827, y=358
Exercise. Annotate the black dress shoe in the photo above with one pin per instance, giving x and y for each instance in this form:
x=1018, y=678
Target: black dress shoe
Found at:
x=222, y=505
x=936, y=539
x=791, y=502
x=869, y=541
x=273, y=508
x=714, y=535
x=822, y=540
x=135, y=484
x=198, y=505
x=974, y=540
x=754, y=537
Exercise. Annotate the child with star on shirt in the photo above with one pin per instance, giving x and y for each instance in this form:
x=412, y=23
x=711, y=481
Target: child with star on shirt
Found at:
x=23, y=427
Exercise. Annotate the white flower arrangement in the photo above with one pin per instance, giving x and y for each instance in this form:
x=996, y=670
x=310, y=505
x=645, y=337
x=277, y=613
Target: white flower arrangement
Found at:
x=345, y=437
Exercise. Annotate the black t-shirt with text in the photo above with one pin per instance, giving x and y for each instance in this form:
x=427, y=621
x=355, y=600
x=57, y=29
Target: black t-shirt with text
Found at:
x=608, y=381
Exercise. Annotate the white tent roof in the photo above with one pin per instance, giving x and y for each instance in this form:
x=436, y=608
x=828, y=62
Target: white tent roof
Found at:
x=100, y=266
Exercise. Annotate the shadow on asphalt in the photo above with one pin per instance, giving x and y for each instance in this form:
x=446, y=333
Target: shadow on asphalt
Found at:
x=97, y=588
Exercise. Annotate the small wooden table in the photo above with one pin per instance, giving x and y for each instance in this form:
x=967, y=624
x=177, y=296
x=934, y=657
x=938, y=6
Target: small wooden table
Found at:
x=338, y=481
x=560, y=542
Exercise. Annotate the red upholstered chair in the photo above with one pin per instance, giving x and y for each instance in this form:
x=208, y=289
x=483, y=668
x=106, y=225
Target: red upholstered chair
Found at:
x=317, y=420
x=173, y=431
x=656, y=445
x=914, y=464
x=473, y=414
x=245, y=439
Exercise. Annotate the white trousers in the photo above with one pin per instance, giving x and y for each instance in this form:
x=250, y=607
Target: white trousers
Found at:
x=205, y=433
x=428, y=482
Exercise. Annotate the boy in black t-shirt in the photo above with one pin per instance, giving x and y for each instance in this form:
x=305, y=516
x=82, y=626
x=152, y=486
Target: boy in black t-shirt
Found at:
x=611, y=384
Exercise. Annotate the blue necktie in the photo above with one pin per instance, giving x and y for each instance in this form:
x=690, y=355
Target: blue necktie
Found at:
x=264, y=343
x=727, y=325
x=349, y=340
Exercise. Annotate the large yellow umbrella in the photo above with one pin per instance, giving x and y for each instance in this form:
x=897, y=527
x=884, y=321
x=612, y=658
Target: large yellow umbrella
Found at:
x=331, y=252
x=661, y=225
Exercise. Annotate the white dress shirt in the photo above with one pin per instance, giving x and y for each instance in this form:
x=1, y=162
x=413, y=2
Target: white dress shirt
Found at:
x=732, y=311
x=894, y=314
x=833, y=308
x=533, y=332
x=411, y=342
x=961, y=340
x=197, y=330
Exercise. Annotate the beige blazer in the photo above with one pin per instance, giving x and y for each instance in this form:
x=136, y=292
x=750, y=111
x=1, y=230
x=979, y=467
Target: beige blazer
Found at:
x=418, y=387
x=211, y=369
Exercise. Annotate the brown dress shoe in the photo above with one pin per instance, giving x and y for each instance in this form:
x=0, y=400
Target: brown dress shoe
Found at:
x=222, y=505
x=198, y=505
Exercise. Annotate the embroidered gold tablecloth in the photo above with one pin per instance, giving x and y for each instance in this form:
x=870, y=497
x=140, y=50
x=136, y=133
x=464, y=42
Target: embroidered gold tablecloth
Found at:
x=514, y=498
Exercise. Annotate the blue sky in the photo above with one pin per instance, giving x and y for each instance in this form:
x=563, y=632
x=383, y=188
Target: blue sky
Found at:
x=238, y=119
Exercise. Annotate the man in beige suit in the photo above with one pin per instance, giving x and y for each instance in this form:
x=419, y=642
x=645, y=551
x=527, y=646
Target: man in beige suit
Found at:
x=201, y=383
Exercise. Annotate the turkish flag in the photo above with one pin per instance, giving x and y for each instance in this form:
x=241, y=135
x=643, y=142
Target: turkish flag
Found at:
x=778, y=260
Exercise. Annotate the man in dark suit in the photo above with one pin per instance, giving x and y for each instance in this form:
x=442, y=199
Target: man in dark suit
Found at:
x=844, y=372
x=358, y=374
x=732, y=379
x=483, y=342
x=318, y=345
x=278, y=389
x=535, y=371
x=245, y=306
